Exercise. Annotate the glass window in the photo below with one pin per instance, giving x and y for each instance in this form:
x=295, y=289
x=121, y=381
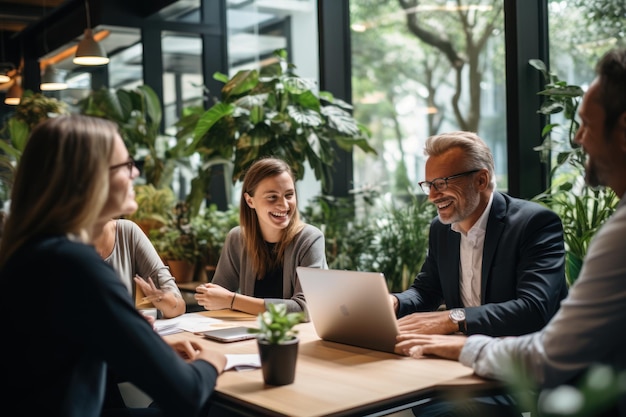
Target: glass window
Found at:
x=580, y=33
x=182, y=73
x=421, y=71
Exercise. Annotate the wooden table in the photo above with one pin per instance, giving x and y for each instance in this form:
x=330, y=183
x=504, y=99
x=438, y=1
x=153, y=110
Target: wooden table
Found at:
x=334, y=379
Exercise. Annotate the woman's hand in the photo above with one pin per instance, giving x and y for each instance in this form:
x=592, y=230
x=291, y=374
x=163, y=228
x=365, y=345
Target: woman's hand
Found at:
x=150, y=291
x=213, y=297
x=164, y=299
x=420, y=345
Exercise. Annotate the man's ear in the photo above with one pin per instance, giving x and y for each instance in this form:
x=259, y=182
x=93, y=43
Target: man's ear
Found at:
x=483, y=179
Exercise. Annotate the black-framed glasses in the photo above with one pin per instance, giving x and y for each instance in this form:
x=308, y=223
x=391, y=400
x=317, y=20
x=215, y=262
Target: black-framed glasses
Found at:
x=130, y=164
x=441, y=184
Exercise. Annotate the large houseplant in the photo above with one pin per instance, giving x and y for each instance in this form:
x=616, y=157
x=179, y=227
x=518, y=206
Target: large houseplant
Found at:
x=271, y=111
x=278, y=343
x=583, y=209
x=138, y=114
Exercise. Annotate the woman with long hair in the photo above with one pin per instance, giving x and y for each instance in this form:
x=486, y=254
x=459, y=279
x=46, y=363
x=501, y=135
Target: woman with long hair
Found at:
x=259, y=259
x=74, y=176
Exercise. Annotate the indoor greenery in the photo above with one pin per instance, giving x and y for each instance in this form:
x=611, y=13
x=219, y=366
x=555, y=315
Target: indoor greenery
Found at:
x=271, y=111
x=155, y=206
x=176, y=240
x=210, y=228
x=138, y=114
x=275, y=325
x=583, y=209
x=394, y=241
x=33, y=108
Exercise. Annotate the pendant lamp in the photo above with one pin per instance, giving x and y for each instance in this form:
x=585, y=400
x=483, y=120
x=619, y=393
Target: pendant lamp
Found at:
x=52, y=79
x=14, y=94
x=90, y=52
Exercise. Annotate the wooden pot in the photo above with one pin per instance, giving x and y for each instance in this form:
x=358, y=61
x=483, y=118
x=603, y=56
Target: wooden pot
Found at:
x=182, y=271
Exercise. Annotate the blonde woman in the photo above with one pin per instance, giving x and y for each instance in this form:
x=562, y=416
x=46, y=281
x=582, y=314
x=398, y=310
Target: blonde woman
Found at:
x=70, y=180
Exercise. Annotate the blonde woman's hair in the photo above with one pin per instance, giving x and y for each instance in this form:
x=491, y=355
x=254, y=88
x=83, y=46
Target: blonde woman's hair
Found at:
x=478, y=154
x=262, y=259
x=62, y=181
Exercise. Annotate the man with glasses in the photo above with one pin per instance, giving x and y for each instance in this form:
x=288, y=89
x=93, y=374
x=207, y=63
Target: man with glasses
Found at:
x=496, y=263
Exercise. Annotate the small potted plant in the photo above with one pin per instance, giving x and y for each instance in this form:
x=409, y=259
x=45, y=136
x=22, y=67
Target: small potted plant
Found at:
x=278, y=343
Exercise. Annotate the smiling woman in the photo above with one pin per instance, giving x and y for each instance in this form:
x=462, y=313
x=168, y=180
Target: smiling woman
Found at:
x=260, y=256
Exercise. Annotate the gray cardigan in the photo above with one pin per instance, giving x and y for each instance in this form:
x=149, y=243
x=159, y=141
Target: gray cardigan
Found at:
x=235, y=272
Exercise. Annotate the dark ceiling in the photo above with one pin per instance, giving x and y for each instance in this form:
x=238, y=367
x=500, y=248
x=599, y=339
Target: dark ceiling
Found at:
x=29, y=29
x=16, y=15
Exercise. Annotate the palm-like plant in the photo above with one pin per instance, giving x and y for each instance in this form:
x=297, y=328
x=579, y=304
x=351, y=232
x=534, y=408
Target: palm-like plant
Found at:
x=275, y=112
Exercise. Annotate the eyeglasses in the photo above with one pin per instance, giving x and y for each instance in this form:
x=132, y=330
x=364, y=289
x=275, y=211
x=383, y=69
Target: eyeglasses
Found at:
x=130, y=164
x=441, y=184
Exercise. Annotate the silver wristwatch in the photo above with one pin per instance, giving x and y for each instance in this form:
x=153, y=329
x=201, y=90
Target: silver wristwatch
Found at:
x=457, y=316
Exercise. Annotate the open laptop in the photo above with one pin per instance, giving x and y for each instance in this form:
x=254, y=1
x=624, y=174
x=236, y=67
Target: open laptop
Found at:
x=350, y=307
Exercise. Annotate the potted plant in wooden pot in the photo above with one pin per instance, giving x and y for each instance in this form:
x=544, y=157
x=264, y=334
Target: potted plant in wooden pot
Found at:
x=177, y=244
x=278, y=343
x=155, y=207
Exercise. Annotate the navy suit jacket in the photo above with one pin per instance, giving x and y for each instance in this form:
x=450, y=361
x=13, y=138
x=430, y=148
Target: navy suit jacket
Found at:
x=523, y=270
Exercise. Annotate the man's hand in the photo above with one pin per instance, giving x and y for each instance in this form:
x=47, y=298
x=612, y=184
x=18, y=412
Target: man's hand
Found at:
x=436, y=322
x=419, y=345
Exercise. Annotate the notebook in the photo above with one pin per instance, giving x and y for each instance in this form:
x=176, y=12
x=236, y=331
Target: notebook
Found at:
x=350, y=307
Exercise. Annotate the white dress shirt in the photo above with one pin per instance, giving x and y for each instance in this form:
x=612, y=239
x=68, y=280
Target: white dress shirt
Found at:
x=471, y=263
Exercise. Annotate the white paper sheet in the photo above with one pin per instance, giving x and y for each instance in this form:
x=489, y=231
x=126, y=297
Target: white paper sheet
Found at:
x=242, y=361
x=190, y=322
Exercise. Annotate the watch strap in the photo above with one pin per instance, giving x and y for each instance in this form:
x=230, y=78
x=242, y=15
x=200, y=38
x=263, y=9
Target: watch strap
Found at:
x=462, y=327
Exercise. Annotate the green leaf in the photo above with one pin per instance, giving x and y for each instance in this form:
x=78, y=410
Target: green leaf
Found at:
x=241, y=83
x=306, y=117
x=209, y=118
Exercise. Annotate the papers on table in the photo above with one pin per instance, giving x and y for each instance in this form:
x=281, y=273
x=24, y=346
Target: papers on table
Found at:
x=190, y=322
x=194, y=322
x=242, y=362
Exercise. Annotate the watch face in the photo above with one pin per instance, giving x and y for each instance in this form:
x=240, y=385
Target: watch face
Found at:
x=457, y=315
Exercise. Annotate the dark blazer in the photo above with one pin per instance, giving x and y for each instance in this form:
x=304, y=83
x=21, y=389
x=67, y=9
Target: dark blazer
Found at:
x=83, y=323
x=523, y=271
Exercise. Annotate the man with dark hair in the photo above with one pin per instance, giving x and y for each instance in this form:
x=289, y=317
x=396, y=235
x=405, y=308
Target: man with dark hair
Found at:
x=588, y=328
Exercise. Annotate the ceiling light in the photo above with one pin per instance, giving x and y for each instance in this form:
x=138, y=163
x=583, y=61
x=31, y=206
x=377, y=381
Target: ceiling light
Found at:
x=14, y=94
x=90, y=52
x=5, y=72
x=52, y=79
